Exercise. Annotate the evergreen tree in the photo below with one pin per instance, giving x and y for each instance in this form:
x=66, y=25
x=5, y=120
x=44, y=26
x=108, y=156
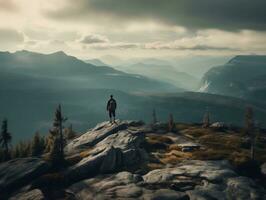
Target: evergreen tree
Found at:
x=37, y=146
x=154, y=117
x=206, y=119
x=171, y=123
x=56, y=134
x=69, y=133
x=249, y=120
x=250, y=130
x=5, y=140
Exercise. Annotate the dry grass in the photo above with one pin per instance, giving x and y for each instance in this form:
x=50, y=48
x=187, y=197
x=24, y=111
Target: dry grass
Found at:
x=217, y=145
x=153, y=166
x=174, y=147
x=154, y=138
x=85, y=153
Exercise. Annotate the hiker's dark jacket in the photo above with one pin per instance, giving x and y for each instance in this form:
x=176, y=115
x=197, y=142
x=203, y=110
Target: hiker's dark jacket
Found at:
x=111, y=105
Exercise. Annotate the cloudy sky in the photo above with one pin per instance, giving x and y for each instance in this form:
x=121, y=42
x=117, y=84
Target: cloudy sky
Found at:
x=134, y=28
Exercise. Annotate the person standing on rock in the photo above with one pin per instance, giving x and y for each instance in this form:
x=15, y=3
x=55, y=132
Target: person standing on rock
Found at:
x=111, y=107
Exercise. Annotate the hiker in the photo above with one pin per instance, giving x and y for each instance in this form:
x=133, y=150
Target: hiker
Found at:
x=111, y=107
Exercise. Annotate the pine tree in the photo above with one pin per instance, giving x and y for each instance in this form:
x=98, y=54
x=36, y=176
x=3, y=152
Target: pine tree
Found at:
x=206, y=119
x=249, y=120
x=57, y=149
x=5, y=140
x=69, y=133
x=37, y=146
x=15, y=152
x=171, y=123
x=154, y=117
x=249, y=130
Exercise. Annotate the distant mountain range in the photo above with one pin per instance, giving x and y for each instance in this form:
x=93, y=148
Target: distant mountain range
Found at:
x=242, y=76
x=165, y=73
x=195, y=66
x=25, y=69
x=33, y=84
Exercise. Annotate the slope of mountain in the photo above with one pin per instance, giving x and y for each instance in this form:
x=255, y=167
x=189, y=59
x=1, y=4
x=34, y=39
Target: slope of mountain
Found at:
x=165, y=73
x=59, y=70
x=30, y=110
x=240, y=77
x=132, y=160
x=32, y=85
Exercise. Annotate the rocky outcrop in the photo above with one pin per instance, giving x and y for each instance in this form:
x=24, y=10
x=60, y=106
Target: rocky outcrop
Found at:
x=35, y=194
x=194, y=180
x=206, y=180
x=123, y=185
x=97, y=134
x=21, y=171
x=119, y=149
x=263, y=169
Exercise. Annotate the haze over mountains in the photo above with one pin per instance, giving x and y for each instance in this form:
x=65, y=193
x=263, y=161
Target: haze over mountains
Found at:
x=33, y=84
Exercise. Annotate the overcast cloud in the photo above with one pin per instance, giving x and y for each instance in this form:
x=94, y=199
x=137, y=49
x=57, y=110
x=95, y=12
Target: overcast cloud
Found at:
x=126, y=28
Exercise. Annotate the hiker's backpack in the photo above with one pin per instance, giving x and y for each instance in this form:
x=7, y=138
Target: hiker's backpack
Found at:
x=112, y=105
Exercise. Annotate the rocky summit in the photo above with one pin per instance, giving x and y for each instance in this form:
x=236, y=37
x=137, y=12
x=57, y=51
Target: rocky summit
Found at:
x=130, y=160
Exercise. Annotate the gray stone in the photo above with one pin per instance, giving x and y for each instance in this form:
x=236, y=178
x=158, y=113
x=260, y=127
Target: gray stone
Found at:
x=243, y=188
x=166, y=194
x=263, y=169
x=35, y=194
x=121, y=149
x=97, y=134
x=20, y=171
x=211, y=170
x=110, y=160
x=123, y=185
x=218, y=125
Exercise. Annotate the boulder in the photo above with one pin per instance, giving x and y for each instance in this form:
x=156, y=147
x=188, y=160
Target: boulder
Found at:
x=210, y=170
x=119, y=150
x=35, y=194
x=263, y=169
x=97, y=134
x=207, y=180
x=110, y=160
x=218, y=125
x=123, y=185
x=166, y=194
x=20, y=171
x=243, y=188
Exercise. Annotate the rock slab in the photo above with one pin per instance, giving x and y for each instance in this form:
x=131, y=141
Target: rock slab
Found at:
x=20, y=171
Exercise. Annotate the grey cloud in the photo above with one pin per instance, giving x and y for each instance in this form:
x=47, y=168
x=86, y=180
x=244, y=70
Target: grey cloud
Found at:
x=192, y=48
x=92, y=39
x=161, y=47
x=10, y=36
x=230, y=15
x=116, y=46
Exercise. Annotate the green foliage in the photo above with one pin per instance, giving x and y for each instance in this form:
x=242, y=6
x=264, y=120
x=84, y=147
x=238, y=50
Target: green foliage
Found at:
x=171, y=124
x=154, y=117
x=5, y=140
x=37, y=147
x=69, y=133
x=56, y=139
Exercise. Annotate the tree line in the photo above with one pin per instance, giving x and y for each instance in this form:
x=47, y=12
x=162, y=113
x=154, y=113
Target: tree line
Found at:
x=51, y=146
